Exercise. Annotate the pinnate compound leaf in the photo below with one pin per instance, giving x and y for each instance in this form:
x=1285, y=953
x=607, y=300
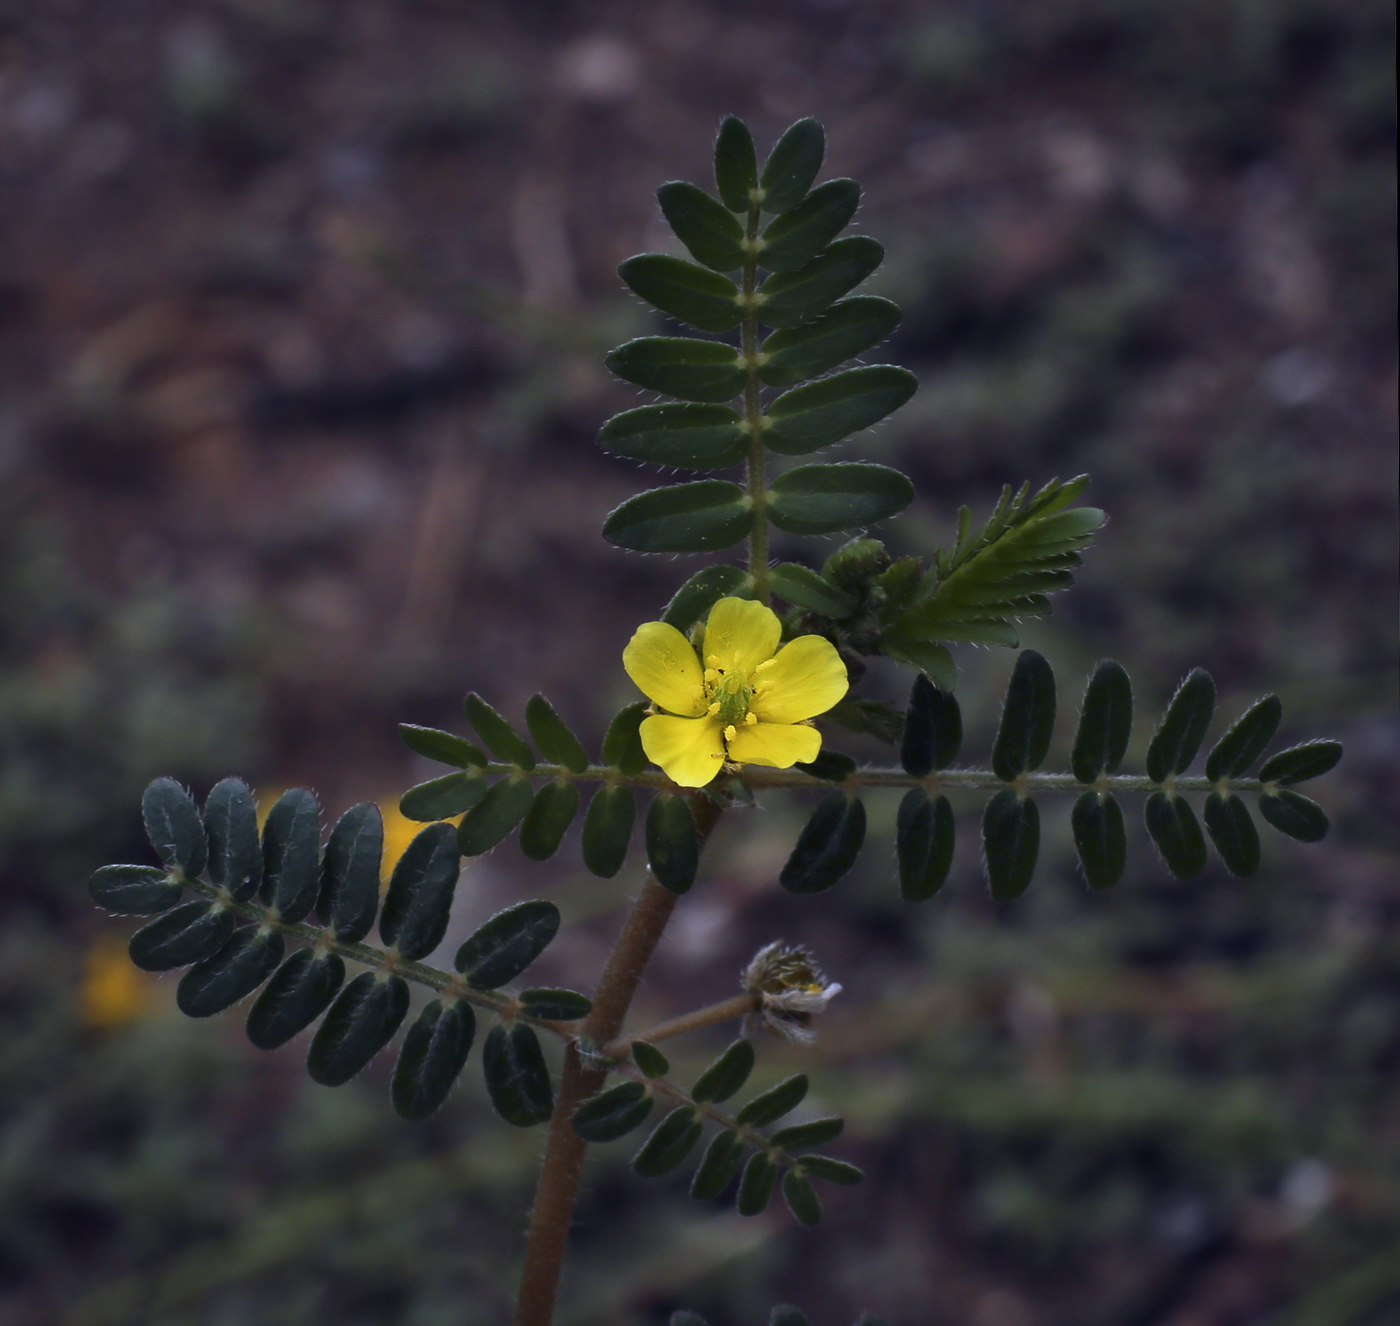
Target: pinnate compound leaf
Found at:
x=806, y=1208
x=444, y=747
x=802, y=1136
x=823, y=499
x=845, y=330
x=673, y=848
x=360, y=1022
x=736, y=164
x=1010, y=843
x=702, y=591
x=1292, y=813
x=792, y=165
x=1297, y=764
x=706, y=227
x=295, y=997
x=686, y=517
x=1105, y=723
x=694, y=437
x=680, y=366
x=790, y=298
x=442, y=798
x=793, y=239
x=555, y=1005
x=1100, y=837
x=777, y=1101
x=827, y=847
x=925, y=834
x=291, y=844
x=622, y=744
x=1027, y=718
x=1245, y=740
x=246, y=960
x=500, y=736
x=804, y=588
x=812, y=416
x=833, y=1171
x=552, y=735
x=1177, y=833
x=517, y=1077
x=507, y=944
x=231, y=825
x=726, y=1075
x=419, y=899
x=933, y=729
x=548, y=819
x=504, y=805
x=1232, y=830
x=433, y=1055
x=1183, y=726
x=613, y=1113
x=135, y=890
x=756, y=1186
x=173, y=827
x=607, y=829
x=178, y=938
x=718, y=1166
x=670, y=1142
x=349, y=893
x=684, y=291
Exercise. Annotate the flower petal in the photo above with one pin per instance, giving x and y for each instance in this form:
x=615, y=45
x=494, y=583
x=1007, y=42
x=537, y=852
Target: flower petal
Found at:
x=689, y=750
x=740, y=635
x=779, y=745
x=662, y=663
x=806, y=679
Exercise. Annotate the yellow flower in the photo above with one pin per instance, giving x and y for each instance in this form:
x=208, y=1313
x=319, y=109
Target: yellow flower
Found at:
x=748, y=704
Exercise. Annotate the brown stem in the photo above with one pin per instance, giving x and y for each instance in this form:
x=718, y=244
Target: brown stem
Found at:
x=564, y=1150
x=724, y=1011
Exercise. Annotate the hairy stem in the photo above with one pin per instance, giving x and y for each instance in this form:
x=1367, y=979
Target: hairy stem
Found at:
x=756, y=481
x=724, y=1011
x=562, y=1167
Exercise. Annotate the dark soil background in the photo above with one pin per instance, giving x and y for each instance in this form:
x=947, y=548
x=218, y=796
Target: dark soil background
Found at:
x=302, y=315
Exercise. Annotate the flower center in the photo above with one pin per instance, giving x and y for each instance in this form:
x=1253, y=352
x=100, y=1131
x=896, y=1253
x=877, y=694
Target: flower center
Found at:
x=729, y=699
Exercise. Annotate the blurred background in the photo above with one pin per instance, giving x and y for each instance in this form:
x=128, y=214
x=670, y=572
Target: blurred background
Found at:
x=303, y=307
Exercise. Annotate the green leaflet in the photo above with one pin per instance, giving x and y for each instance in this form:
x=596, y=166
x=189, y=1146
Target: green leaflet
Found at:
x=607, y=829
x=822, y=499
x=552, y=735
x=695, y=437
x=517, y=1078
x=246, y=960
x=445, y=747
x=295, y=997
x=812, y=416
x=507, y=944
x=548, y=819
x=1183, y=727
x=846, y=329
x=789, y=298
x=1246, y=740
x=792, y=165
x=736, y=164
x=360, y=1023
x=1100, y=837
x=925, y=834
x=649, y=1059
x=833, y=1171
x=1177, y=833
x=702, y=591
x=678, y=366
x=756, y=1185
x=1027, y=718
x=1232, y=830
x=777, y=1101
x=670, y=1142
x=613, y=1113
x=673, y=850
x=1010, y=843
x=830, y=766
x=686, y=517
x=555, y=1005
x=1105, y=723
x=712, y=233
x=173, y=827
x=726, y=1075
x=827, y=847
x=932, y=729
x=718, y=1165
x=500, y=737
x=176, y=939
x=442, y=798
x=495, y=815
x=1297, y=764
x=685, y=292
x=805, y=1205
x=231, y=824
x=291, y=843
x=433, y=1055
x=419, y=899
x=1292, y=813
x=622, y=744
x=933, y=660
x=793, y=239
x=134, y=890
x=349, y=891
x=804, y=1136
x=804, y=588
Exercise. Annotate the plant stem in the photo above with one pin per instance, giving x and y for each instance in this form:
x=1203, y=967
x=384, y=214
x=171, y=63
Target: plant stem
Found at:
x=756, y=482
x=562, y=1167
x=724, y=1011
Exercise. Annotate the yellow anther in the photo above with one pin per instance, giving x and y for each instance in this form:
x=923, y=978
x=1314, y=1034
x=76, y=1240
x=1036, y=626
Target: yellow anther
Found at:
x=750, y=719
x=713, y=709
x=730, y=733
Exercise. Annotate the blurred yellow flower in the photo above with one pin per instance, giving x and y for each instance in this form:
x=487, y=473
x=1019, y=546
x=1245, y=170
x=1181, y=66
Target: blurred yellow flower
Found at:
x=750, y=702
x=113, y=991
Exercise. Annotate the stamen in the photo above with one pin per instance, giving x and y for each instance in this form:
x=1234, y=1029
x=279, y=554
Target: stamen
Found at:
x=750, y=719
x=730, y=733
